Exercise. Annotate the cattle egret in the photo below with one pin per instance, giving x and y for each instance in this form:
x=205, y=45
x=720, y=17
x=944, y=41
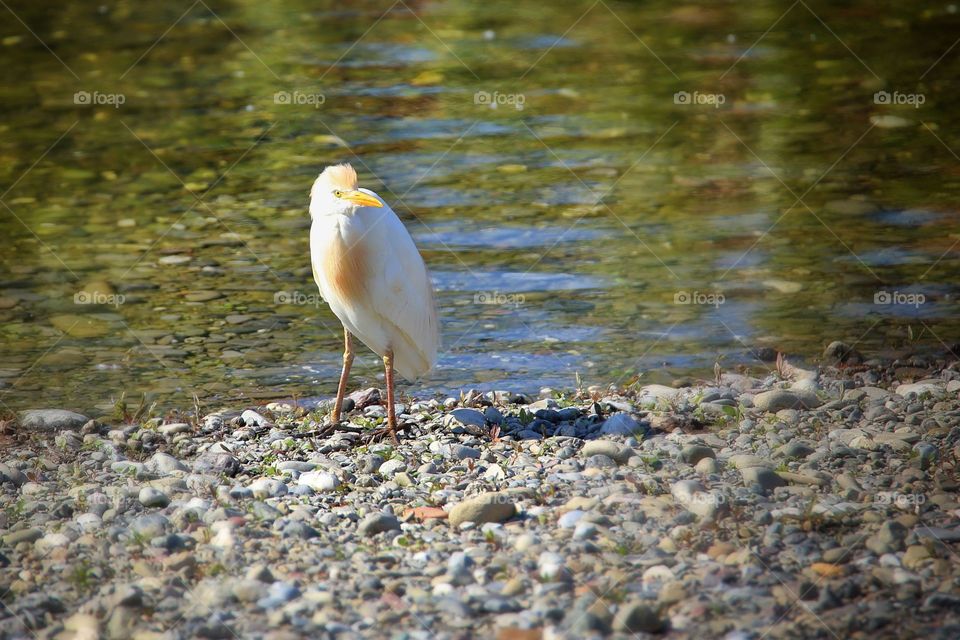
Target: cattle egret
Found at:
x=370, y=273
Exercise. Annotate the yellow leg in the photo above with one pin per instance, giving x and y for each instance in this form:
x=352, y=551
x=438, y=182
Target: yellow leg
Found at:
x=342, y=387
x=391, y=410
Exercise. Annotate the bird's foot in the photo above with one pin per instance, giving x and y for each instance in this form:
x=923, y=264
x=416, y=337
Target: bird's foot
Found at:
x=378, y=435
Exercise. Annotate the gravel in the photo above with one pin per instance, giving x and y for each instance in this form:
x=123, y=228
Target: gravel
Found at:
x=803, y=504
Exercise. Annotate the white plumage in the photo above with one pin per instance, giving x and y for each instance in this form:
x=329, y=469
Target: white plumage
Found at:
x=395, y=308
x=370, y=273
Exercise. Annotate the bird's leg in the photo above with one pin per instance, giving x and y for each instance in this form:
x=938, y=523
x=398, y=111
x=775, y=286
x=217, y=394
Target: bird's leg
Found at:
x=342, y=387
x=391, y=408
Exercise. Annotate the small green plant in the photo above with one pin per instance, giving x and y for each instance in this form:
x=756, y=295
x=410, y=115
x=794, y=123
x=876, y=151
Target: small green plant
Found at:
x=82, y=576
x=525, y=417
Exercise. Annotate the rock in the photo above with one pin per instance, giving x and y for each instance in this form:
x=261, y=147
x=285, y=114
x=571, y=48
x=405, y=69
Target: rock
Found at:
x=50, y=420
x=694, y=453
x=149, y=526
x=551, y=566
x=927, y=454
x=391, y=467
x=174, y=428
x=683, y=491
x=492, y=415
x=278, y=594
x=931, y=387
x=151, y=497
x=797, y=449
x=251, y=418
x=378, y=523
x=838, y=353
x=778, y=399
x=486, y=507
x=299, y=530
x=461, y=452
x=915, y=556
x=892, y=533
x=746, y=460
x=464, y=418
x=164, y=463
x=635, y=616
x=697, y=500
x=766, y=478
x=319, y=480
x=12, y=474
x=707, y=466
x=267, y=488
x=621, y=424
x=23, y=535
x=607, y=448
x=371, y=463
x=570, y=519
x=217, y=463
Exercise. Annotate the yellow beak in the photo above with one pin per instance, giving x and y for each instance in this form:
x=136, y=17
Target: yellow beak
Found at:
x=361, y=198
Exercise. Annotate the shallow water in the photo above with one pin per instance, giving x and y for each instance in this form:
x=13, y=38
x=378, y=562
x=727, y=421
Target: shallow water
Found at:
x=159, y=246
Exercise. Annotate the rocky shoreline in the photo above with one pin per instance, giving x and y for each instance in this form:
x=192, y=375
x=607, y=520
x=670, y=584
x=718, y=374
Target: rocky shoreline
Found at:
x=794, y=504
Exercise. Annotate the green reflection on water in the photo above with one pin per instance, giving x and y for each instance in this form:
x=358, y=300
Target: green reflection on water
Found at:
x=586, y=212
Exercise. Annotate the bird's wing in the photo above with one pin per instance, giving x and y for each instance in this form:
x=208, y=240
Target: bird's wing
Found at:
x=399, y=295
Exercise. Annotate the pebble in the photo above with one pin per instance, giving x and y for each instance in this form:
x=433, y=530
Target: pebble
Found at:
x=778, y=399
x=486, y=507
x=766, y=478
x=612, y=450
x=319, y=480
x=51, y=420
x=621, y=424
x=491, y=531
x=637, y=617
x=151, y=497
x=164, y=463
x=694, y=453
x=150, y=526
x=465, y=418
x=550, y=565
x=267, y=488
x=378, y=523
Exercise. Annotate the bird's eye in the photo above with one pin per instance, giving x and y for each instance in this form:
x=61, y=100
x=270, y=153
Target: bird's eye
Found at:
x=338, y=193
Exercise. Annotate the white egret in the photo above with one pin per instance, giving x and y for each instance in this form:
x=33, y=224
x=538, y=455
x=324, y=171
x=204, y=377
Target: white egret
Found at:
x=370, y=273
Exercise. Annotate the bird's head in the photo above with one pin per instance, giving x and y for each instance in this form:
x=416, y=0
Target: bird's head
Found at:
x=335, y=192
